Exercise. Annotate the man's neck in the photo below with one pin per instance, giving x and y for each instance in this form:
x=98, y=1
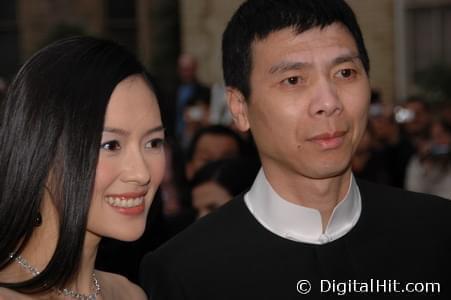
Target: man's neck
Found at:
x=321, y=194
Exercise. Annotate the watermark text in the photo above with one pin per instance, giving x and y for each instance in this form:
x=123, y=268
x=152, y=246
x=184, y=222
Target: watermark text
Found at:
x=371, y=286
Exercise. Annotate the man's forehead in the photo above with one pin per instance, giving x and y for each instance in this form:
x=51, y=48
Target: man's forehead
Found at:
x=299, y=31
x=294, y=47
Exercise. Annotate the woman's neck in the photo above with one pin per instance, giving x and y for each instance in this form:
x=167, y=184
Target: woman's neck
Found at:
x=40, y=248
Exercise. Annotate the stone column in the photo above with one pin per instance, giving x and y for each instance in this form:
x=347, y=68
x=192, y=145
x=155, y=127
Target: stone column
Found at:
x=202, y=24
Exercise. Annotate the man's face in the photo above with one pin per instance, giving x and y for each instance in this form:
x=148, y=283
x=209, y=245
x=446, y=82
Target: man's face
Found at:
x=187, y=68
x=309, y=100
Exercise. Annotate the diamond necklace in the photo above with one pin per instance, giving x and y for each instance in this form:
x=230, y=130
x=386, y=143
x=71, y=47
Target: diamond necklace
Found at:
x=66, y=292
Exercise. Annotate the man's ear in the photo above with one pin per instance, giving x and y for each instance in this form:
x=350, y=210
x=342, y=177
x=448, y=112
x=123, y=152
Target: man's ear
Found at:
x=238, y=108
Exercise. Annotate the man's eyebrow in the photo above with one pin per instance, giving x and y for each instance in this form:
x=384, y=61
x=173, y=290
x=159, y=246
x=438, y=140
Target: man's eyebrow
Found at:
x=285, y=66
x=346, y=58
x=123, y=132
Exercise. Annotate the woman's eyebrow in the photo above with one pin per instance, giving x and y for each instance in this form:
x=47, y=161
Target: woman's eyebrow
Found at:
x=123, y=132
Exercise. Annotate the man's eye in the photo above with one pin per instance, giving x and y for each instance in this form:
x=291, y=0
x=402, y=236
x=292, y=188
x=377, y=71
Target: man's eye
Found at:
x=111, y=146
x=155, y=144
x=294, y=80
x=346, y=73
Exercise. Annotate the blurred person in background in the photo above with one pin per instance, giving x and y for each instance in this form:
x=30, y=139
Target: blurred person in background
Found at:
x=429, y=171
x=189, y=87
x=390, y=143
x=196, y=115
x=212, y=143
x=368, y=163
x=385, y=130
x=176, y=209
x=218, y=182
x=415, y=119
x=445, y=111
x=174, y=187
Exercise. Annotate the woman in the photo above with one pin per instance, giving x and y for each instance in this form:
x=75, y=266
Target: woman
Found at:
x=81, y=158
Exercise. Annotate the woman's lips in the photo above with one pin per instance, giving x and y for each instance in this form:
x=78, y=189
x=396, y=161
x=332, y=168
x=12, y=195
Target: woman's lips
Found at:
x=128, y=204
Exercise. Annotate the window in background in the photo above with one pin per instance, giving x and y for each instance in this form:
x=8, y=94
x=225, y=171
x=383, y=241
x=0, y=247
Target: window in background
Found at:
x=428, y=38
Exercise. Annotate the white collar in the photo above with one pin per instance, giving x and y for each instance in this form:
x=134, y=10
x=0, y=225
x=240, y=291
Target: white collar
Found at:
x=299, y=223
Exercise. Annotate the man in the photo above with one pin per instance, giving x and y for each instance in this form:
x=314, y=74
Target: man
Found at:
x=189, y=88
x=196, y=115
x=418, y=120
x=297, y=77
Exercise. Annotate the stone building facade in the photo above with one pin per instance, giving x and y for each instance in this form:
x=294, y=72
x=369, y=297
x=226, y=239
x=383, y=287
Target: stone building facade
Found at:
x=27, y=25
x=402, y=36
x=203, y=22
x=393, y=30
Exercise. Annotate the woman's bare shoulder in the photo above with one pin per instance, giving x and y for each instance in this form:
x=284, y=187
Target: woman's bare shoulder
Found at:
x=7, y=294
x=119, y=287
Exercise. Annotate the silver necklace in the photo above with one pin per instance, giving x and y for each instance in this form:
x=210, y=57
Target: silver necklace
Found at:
x=66, y=292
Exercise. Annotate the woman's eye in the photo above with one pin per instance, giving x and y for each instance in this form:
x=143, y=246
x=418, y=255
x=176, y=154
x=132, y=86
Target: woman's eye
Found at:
x=111, y=146
x=155, y=144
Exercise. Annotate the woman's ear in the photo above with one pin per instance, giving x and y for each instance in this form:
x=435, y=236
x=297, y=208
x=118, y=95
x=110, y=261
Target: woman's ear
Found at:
x=238, y=108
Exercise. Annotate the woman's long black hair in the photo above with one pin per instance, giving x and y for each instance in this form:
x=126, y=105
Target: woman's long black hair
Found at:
x=51, y=123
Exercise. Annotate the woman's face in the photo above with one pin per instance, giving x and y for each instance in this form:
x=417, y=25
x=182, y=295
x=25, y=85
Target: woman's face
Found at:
x=131, y=162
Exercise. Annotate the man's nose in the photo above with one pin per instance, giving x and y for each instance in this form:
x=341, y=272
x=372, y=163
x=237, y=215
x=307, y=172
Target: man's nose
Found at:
x=325, y=99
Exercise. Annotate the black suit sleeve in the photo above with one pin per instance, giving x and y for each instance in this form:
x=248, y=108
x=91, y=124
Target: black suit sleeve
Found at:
x=158, y=282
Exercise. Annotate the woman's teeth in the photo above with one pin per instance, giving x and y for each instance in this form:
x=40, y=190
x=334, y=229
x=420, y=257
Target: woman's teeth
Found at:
x=121, y=202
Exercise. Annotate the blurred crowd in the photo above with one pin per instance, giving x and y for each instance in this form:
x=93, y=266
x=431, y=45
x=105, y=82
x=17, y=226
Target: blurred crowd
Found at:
x=209, y=162
x=407, y=146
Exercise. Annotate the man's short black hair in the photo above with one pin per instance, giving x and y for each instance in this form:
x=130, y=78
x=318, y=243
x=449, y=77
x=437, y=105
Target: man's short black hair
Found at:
x=256, y=19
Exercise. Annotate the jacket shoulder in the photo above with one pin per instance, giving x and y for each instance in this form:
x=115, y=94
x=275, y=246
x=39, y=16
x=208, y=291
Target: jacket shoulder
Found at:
x=397, y=196
x=412, y=209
